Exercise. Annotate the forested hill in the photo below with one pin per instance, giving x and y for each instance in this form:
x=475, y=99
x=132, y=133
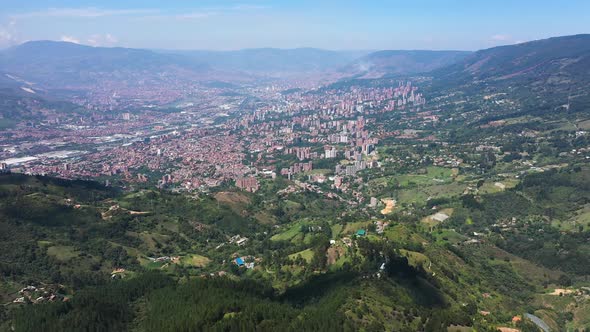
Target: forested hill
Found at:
x=552, y=60
x=22, y=103
x=546, y=79
x=81, y=256
x=550, y=74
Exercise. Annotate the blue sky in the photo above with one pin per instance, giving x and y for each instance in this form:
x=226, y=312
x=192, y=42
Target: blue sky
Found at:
x=330, y=24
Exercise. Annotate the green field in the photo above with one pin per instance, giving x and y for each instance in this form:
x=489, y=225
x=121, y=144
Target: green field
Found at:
x=306, y=254
x=416, y=258
x=419, y=195
x=289, y=234
x=336, y=230
x=489, y=187
x=433, y=175
x=402, y=234
x=449, y=236
x=353, y=227
x=417, y=188
x=63, y=253
x=195, y=260
x=580, y=218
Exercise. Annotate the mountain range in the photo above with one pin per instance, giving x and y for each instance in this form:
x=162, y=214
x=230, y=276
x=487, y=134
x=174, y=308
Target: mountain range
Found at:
x=59, y=64
x=558, y=67
x=274, y=61
x=62, y=64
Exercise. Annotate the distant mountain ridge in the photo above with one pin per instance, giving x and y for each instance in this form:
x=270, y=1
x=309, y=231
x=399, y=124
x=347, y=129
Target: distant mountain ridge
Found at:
x=274, y=60
x=61, y=63
x=562, y=62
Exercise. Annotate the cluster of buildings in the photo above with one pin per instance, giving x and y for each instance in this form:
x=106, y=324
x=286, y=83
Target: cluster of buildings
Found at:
x=215, y=142
x=36, y=295
x=297, y=168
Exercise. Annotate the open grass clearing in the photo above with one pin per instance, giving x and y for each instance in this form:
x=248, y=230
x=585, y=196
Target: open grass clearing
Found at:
x=63, y=253
x=195, y=260
x=306, y=254
x=353, y=227
x=288, y=234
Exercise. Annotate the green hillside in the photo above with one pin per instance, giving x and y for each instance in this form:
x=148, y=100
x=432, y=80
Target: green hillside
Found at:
x=69, y=237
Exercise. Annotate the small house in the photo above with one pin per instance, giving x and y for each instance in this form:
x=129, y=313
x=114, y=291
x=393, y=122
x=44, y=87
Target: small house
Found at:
x=239, y=261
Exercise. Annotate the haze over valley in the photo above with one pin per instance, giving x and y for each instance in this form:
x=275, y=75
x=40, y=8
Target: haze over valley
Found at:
x=229, y=177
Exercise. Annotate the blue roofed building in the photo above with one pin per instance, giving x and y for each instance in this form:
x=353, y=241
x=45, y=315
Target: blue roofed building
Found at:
x=239, y=261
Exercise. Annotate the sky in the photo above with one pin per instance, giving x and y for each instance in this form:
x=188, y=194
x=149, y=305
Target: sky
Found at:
x=330, y=24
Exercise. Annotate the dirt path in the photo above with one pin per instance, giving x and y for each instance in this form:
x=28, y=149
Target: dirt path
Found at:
x=138, y=212
x=560, y=291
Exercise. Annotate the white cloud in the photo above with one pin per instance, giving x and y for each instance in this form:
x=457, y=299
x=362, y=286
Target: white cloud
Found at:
x=196, y=15
x=93, y=40
x=5, y=36
x=89, y=12
x=102, y=40
x=191, y=16
x=70, y=39
x=500, y=37
x=94, y=12
x=249, y=7
x=8, y=35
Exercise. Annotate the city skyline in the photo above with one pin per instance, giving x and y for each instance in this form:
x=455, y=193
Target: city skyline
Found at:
x=348, y=25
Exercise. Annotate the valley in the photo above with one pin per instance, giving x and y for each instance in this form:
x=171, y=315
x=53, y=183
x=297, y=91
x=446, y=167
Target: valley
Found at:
x=438, y=194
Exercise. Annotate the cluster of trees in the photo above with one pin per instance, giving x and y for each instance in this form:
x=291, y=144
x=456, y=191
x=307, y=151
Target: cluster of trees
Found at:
x=107, y=306
x=155, y=302
x=566, y=252
x=537, y=201
x=165, y=305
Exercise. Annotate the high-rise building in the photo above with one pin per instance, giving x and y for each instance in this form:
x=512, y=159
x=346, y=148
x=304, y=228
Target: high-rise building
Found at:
x=330, y=152
x=351, y=170
x=249, y=184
